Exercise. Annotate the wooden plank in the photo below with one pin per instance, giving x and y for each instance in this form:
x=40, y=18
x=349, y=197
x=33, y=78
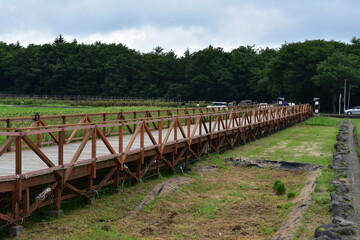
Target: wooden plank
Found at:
x=77, y=154
x=38, y=152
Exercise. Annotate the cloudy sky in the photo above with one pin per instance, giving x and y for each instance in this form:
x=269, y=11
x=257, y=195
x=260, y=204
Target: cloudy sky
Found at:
x=179, y=24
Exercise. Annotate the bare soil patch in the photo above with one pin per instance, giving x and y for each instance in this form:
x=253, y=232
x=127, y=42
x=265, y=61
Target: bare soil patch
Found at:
x=230, y=203
x=162, y=189
x=310, y=149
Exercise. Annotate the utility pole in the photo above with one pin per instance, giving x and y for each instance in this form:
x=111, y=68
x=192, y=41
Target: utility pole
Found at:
x=340, y=104
x=349, y=97
x=344, y=95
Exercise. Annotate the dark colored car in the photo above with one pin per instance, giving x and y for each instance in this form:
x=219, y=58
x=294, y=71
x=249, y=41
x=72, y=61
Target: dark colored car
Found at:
x=245, y=102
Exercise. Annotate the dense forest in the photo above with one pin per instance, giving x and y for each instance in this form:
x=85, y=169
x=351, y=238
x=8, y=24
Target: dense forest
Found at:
x=298, y=71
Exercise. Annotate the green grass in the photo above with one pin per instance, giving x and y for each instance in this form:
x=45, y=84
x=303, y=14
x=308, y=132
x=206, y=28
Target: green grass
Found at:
x=96, y=103
x=302, y=143
x=323, y=121
x=356, y=123
x=309, y=142
x=7, y=111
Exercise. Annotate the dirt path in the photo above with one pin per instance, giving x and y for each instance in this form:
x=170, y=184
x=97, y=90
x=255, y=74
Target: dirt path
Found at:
x=288, y=230
x=354, y=174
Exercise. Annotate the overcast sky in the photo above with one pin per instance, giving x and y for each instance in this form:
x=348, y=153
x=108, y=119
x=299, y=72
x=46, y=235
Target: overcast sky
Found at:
x=179, y=24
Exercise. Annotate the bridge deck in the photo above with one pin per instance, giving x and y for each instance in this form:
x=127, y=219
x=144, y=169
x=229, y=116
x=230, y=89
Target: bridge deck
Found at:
x=32, y=162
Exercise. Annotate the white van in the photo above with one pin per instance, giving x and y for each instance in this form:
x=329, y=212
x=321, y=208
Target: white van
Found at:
x=218, y=105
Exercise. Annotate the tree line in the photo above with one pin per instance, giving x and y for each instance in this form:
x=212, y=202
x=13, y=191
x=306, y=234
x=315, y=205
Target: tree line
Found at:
x=297, y=71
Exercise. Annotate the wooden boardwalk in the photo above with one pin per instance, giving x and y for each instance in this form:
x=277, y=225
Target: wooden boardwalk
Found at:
x=85, y=157
x=31, y=162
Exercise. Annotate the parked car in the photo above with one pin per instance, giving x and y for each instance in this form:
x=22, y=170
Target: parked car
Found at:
x=245, y=103
x=354, y=110
x=263, y=105
x=218, y=105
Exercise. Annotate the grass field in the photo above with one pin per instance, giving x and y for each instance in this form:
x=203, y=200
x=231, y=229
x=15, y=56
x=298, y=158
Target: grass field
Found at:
x=232, y=203
x=14, y=111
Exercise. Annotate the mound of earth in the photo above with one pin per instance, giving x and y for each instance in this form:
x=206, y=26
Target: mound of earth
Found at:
x=162, y=189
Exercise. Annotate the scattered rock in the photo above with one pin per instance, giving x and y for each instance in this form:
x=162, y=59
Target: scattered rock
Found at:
x=100, y=220
x=206, y=168
x=106, y=228
x=146, y=231
x=271, y=164
x=236, y=228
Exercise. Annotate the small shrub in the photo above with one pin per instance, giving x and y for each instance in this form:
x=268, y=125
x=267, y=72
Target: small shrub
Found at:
x=287, y=205
x=291, y=195
x=279, y=187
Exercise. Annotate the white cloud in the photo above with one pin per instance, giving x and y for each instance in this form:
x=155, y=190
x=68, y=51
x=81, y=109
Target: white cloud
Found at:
x=28, y=37
x=178, y=24
x=146, y=38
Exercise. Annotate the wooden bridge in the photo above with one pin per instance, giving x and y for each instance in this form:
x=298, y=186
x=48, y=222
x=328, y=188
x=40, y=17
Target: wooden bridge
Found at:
x=71, y=155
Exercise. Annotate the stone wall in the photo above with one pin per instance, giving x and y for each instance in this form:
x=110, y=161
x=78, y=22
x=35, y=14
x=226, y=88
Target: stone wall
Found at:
x=342, y=225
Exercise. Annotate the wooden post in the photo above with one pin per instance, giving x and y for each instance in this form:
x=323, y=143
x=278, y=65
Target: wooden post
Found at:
x=26, y=200
x=93, y=155
x=142, y=142
x=104, y=120
x=117, y=179
x=188, y=123
x=8, y=125
x=61, y=147
x=121, y=138
x=57, y=194
x=16, y=198
x=134, y=120
x=200, y=125
x=175, y=135
x=18, y=158
x=160, y=131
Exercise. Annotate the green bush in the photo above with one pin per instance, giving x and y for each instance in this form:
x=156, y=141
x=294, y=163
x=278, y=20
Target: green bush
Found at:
x=291, y=195
x=279, y=187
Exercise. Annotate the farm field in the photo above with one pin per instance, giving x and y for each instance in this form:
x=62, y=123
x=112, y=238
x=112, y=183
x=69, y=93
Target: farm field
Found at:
x=16, y=111
x=229, y=203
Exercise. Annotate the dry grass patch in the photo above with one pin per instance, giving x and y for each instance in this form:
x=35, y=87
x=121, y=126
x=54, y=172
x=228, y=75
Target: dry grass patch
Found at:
x=234, y=203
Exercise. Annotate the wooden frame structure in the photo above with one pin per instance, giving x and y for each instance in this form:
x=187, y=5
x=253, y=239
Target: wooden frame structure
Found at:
x=133, y=149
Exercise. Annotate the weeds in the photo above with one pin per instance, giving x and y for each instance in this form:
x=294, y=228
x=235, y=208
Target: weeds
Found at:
x=291, y=195
x=279, y=187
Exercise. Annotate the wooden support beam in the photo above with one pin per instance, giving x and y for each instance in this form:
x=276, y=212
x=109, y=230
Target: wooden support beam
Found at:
x=7, y=144
x=106, y=178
